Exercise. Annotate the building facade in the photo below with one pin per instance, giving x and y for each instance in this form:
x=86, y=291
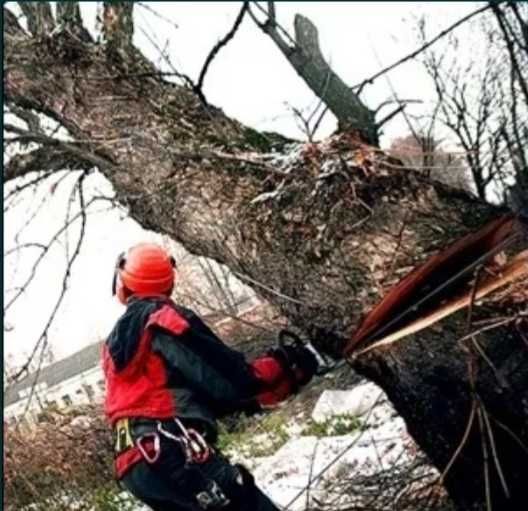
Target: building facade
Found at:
x=72, y=381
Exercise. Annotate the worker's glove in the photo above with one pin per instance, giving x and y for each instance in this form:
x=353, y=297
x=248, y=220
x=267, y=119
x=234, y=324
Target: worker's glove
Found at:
x=277, y=380
x=284, y=369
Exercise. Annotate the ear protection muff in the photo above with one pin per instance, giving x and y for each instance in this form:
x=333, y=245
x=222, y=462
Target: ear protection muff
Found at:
x=119, y=265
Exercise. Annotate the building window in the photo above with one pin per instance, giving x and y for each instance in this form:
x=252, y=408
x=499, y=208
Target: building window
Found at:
x=66, y=399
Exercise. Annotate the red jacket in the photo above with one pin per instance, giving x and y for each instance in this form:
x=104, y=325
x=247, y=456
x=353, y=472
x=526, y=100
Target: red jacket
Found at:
x=162, y=361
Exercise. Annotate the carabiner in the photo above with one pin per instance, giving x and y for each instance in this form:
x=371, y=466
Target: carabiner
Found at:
x=199, y=448
x=149, y=459
x=168, y=434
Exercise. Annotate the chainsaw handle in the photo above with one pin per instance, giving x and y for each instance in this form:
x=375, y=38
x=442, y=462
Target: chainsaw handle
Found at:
x=287, y=335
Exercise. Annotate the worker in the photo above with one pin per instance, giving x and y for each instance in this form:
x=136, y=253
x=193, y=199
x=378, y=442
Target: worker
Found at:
x=168, y=379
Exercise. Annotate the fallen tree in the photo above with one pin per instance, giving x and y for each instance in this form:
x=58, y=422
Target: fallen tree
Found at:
x=322, y=231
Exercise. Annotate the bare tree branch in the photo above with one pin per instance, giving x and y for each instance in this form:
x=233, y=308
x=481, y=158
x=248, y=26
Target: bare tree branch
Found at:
x=30, y=118
x=307, y=59
x=391, y=115
x=145, y=6
x=523, y=23
x=54, y=155
x=484, y=109
x=69, y=13
x=216, y=48
x=39, y=18
x=419, y=50
x=23, y=246
x=69, y=18
x=46, y=158
x=20, y=188
x=54, y=239
x=11, y=25
x=43, y=338
x=521, y=80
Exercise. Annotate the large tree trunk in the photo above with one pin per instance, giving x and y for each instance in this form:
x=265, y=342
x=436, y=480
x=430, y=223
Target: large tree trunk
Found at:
x=321, y=231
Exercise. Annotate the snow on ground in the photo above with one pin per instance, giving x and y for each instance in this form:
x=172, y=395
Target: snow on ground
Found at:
x=379, y=441
x=356, y=401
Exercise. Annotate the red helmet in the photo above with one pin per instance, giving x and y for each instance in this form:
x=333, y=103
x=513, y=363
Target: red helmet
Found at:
x=147, y=269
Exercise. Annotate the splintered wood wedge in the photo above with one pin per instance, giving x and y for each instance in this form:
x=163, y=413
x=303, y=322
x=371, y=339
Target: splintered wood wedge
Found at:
x=516, y=270
x=439, y=286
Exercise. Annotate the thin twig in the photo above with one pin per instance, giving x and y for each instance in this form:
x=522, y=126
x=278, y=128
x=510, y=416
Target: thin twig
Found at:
x=485, y=456
x=269, y=289
x=312, y=463
x=43, y=339
x=494, y=451
x=485, y=357
x=216, y=48
x=145, y=6
x=512, y=434
x=419, y=50
x=461, y=444
x=474, y=289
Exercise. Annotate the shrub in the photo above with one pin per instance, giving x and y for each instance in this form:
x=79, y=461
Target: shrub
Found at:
x=63, y=463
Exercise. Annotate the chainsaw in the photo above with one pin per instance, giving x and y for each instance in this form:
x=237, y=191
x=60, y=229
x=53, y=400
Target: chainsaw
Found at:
x=326, y=363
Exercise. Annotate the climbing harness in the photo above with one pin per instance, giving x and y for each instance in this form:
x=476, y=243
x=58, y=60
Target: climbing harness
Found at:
x=148, y=445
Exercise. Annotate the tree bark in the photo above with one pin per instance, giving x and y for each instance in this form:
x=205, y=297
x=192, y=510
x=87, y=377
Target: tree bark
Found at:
x=321, y=231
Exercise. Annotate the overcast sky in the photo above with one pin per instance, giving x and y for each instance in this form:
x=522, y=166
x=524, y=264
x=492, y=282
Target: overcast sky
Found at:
x=251, y=81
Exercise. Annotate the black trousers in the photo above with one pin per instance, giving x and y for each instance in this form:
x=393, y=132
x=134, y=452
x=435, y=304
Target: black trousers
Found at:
x=171, y=485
